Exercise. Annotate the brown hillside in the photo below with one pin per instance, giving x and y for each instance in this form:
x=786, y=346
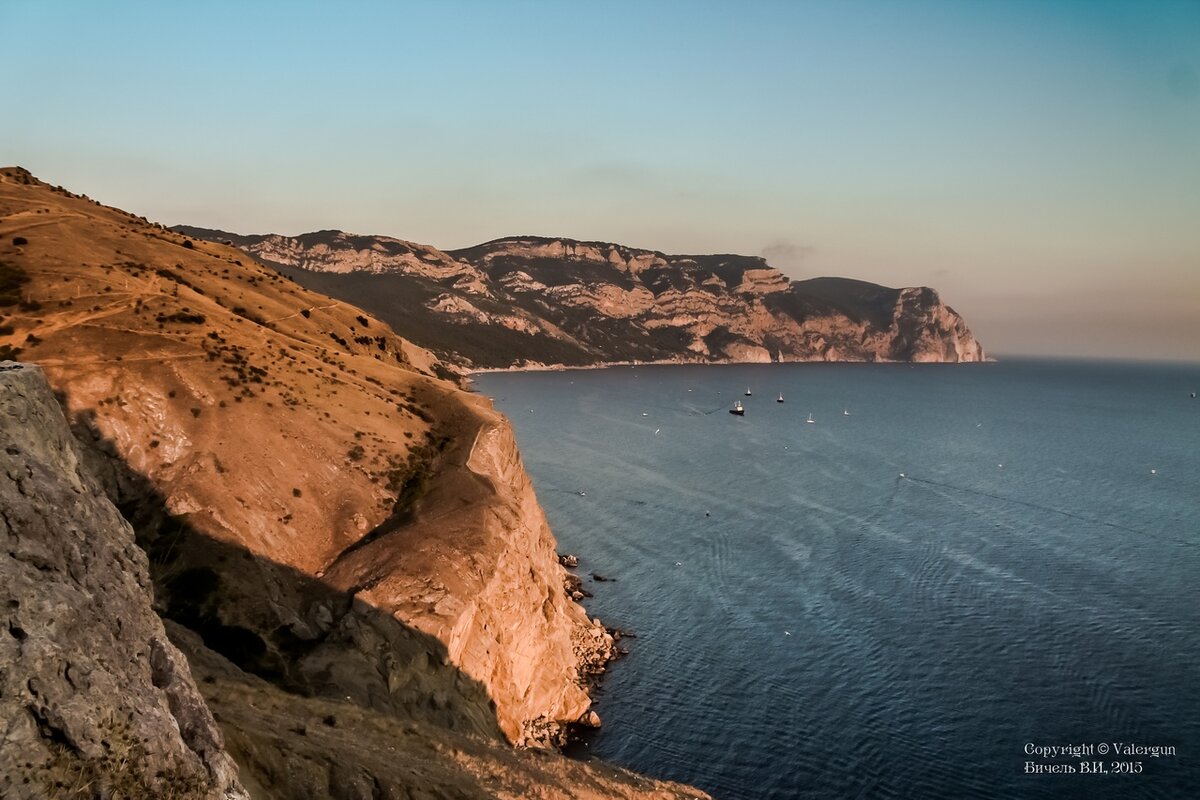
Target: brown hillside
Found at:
x=184, y=349
x=318, y=505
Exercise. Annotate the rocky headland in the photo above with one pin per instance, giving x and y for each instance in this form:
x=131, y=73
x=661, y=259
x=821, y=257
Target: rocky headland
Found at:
x=531, y=301
x=341, y=540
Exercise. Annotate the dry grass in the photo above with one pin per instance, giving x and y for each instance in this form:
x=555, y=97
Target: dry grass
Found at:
x=227, y=360
x=120, y=773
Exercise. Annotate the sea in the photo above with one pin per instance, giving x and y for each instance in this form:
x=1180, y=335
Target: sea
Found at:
x=904, y=581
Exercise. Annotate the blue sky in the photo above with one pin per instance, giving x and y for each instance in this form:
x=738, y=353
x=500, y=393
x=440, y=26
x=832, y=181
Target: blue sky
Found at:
x=1037, y=162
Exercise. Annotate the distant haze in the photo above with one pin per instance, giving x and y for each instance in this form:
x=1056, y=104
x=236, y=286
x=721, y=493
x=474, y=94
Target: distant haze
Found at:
x=1036, y=162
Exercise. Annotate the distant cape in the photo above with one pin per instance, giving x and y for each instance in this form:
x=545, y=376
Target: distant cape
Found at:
x=531, y=300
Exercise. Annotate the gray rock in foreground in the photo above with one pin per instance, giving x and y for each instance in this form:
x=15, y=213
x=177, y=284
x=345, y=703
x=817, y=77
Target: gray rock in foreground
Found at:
x=95, y=701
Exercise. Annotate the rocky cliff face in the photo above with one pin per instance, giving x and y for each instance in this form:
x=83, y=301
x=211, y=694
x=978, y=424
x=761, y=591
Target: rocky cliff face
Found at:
x=487, y=542
x=317, y=505
x=92, y=692
x=98, y=702
x=526, y=300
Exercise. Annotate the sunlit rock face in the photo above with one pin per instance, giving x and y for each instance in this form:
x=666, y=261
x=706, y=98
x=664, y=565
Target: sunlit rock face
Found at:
x=530, y=300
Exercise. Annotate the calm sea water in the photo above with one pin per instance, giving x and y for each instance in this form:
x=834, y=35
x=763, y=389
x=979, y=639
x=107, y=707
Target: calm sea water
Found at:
x=811, y=624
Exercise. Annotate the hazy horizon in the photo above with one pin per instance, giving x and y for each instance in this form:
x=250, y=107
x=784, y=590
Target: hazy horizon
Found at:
x=1038, y=163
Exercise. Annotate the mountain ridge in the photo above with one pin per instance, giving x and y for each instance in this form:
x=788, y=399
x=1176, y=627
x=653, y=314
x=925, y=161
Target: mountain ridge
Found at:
x=530, y=301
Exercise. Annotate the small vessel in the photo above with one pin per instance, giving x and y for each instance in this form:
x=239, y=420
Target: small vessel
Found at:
x=810, y=419
x=780, y=398
x=748, y=392
x=738, y=408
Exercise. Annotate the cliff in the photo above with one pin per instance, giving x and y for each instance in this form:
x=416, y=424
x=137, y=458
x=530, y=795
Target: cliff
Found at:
x=92, y=692
x=530, y=300
x=481, y=531
x=322, y=513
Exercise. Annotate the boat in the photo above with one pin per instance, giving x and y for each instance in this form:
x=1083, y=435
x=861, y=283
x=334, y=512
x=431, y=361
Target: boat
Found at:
x=738, y=408
x=748, y=392
x=780, y=398
x=810, y=419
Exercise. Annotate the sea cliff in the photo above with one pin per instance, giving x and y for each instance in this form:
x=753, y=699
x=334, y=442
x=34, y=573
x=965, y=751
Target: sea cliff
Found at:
x=331, y=525
x=536, y=301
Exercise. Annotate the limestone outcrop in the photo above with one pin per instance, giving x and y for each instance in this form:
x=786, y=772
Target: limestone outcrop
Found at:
x=94, y=697
x=497, y=601
x=533, y=300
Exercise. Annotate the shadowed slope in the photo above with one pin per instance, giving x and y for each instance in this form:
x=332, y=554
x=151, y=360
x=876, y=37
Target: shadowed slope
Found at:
x=92, y=693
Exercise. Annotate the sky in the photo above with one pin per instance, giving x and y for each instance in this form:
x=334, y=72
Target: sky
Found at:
x=1036, y=162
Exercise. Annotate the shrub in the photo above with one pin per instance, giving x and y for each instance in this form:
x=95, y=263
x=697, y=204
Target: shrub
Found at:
x=173, y=276
x=118, y=771
x=247, y=314
x=181, y=316
x=12, y=278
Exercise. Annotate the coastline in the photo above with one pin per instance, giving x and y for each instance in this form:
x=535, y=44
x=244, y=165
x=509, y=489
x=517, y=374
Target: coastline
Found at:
x=471, y=371
x=595, y=663
x=863, y=520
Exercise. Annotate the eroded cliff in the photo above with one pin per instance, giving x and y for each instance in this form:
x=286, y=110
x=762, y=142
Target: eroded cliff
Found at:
x=318, y=506
x=534, y=300
x=475, y=558
x=99, y=702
